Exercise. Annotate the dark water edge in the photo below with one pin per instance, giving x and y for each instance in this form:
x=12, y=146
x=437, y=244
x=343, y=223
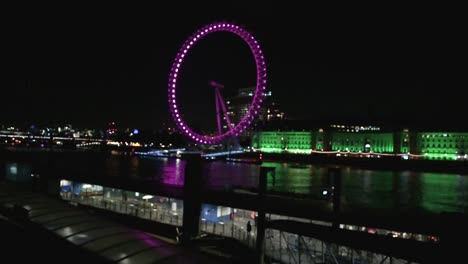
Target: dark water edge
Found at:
x=384, y=163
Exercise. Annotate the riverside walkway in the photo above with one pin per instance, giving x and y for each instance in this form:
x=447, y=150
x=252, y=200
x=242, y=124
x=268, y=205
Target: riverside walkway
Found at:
x=79, y=235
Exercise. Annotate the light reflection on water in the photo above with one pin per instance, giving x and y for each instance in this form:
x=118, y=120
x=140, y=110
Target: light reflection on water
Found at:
x=368, y=189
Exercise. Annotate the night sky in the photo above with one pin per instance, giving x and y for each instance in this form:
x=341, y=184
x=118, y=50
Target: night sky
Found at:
x=90, y=66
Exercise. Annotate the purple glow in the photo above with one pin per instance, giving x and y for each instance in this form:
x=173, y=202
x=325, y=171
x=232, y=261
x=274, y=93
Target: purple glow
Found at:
x=261, y=80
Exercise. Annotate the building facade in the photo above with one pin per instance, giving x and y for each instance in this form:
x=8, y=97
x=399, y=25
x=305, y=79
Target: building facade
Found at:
x=443, y=145
x=374, y=141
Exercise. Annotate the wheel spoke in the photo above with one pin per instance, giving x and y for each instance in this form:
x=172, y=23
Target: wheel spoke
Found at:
x=223, y=107
x=218, y=114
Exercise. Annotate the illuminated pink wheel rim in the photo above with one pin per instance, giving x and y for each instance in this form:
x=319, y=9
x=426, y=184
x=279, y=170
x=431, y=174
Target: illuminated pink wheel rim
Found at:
x=257, y=97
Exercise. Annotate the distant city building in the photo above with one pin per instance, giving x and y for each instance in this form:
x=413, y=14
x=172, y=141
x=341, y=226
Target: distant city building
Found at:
x=273, y=112
x=238, y=106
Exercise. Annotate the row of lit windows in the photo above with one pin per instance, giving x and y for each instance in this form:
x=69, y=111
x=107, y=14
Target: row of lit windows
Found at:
x=444, y=146
x=361, y=144
x=445, y=135
x=442, y=151
x=380, y=143
x=450, y=145
x=292, y=146
x=440, y=158
x=284, y=139
x=336, y=148
x=444, y=140
x=364, y=139
x=270, y=142
x=289, y=143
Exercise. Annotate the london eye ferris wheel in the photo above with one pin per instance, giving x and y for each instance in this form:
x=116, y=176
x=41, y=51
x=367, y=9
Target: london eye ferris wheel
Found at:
x=220, y=104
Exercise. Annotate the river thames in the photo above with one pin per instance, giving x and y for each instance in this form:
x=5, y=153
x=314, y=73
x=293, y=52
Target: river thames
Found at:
x=362, y=189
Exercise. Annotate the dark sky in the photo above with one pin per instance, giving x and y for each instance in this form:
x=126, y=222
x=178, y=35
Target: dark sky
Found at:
x=87, y=66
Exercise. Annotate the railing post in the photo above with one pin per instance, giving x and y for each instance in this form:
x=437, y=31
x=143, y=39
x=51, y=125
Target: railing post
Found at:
x=261, y=220
x=336, y=174
x=192, y=198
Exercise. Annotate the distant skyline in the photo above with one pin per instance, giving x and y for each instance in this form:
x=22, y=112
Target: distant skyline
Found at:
x=89, y=68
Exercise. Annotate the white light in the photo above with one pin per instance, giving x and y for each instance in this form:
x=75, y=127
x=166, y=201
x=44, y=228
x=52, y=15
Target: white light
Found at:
x=137, y=194
x=146, y=197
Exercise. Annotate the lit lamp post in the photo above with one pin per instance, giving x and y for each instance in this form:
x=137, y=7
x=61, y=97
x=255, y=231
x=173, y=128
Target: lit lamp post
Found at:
x=146, y=198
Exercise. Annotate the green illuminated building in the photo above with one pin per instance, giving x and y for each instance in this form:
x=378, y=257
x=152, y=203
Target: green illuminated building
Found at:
x=362, y=142
x=443, y=145
x=340, y=139
x=283, y=141
x=402, y=140
x=320, y=140
x=363, y=139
